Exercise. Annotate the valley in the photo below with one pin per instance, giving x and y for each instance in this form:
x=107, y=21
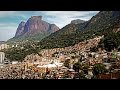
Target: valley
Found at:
x=80, y=50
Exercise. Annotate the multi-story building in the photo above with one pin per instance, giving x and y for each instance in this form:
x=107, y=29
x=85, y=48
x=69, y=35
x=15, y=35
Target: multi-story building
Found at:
x=4, y=46
x=2, y=57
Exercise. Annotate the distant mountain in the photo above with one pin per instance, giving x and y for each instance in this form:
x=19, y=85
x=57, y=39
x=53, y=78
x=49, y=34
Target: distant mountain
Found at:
x=20, y=29
x=72, y=34
x=77, y=21
x=102, y=20
x=34, y=29
x=2, y=42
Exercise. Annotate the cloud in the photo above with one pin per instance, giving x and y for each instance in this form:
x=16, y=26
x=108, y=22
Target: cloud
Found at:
x=7, y=33
x=62, y=18
x=9, y=20
x=7, y=30
x=7, y=13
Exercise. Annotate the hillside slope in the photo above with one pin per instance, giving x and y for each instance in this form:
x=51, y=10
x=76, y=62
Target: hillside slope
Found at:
x=74, y=33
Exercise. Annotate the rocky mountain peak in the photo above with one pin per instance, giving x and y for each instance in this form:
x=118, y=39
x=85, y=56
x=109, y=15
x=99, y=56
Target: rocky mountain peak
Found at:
x=36, y=18
x=20, y=29
x=35, y=25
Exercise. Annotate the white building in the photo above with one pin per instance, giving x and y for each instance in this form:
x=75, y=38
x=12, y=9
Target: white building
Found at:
x=107, y=65
x=14, y=62
x=4, y=46
x=2, y=57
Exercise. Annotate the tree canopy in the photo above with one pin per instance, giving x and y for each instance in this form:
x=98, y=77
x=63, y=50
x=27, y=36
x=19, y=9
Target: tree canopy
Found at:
x=99, y=68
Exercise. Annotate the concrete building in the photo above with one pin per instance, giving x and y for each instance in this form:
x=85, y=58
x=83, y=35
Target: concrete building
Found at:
x=2, y=57
x=4, y=46
x=14, y=62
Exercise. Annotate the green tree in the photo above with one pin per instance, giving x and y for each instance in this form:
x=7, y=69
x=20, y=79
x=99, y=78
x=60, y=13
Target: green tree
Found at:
x=99, y=68
x=77, y=66
x=111, y=41
x=67, y=63
x=79, y=75
x=85, y=68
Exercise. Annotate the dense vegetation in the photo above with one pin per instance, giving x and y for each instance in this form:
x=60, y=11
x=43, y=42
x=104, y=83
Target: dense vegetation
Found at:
x=110, y=41
x=99, y=69
x=20, y=52
x=104, y=23
x=36, y=37
x=74, y=33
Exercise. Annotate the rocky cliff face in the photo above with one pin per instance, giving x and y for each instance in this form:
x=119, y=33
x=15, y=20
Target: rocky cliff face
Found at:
x=20, y=29
x=53, y=28
x=35, y=25
x=34, y=29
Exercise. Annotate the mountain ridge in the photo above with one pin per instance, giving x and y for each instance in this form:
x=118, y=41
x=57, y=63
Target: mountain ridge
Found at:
x=77, y=21
x=34, y=26
x=97, y=25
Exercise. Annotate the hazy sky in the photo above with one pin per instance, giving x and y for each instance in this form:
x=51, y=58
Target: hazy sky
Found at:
x=9, y=20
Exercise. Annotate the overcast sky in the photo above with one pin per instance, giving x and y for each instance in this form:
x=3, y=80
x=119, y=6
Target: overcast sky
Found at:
x=9, y=20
